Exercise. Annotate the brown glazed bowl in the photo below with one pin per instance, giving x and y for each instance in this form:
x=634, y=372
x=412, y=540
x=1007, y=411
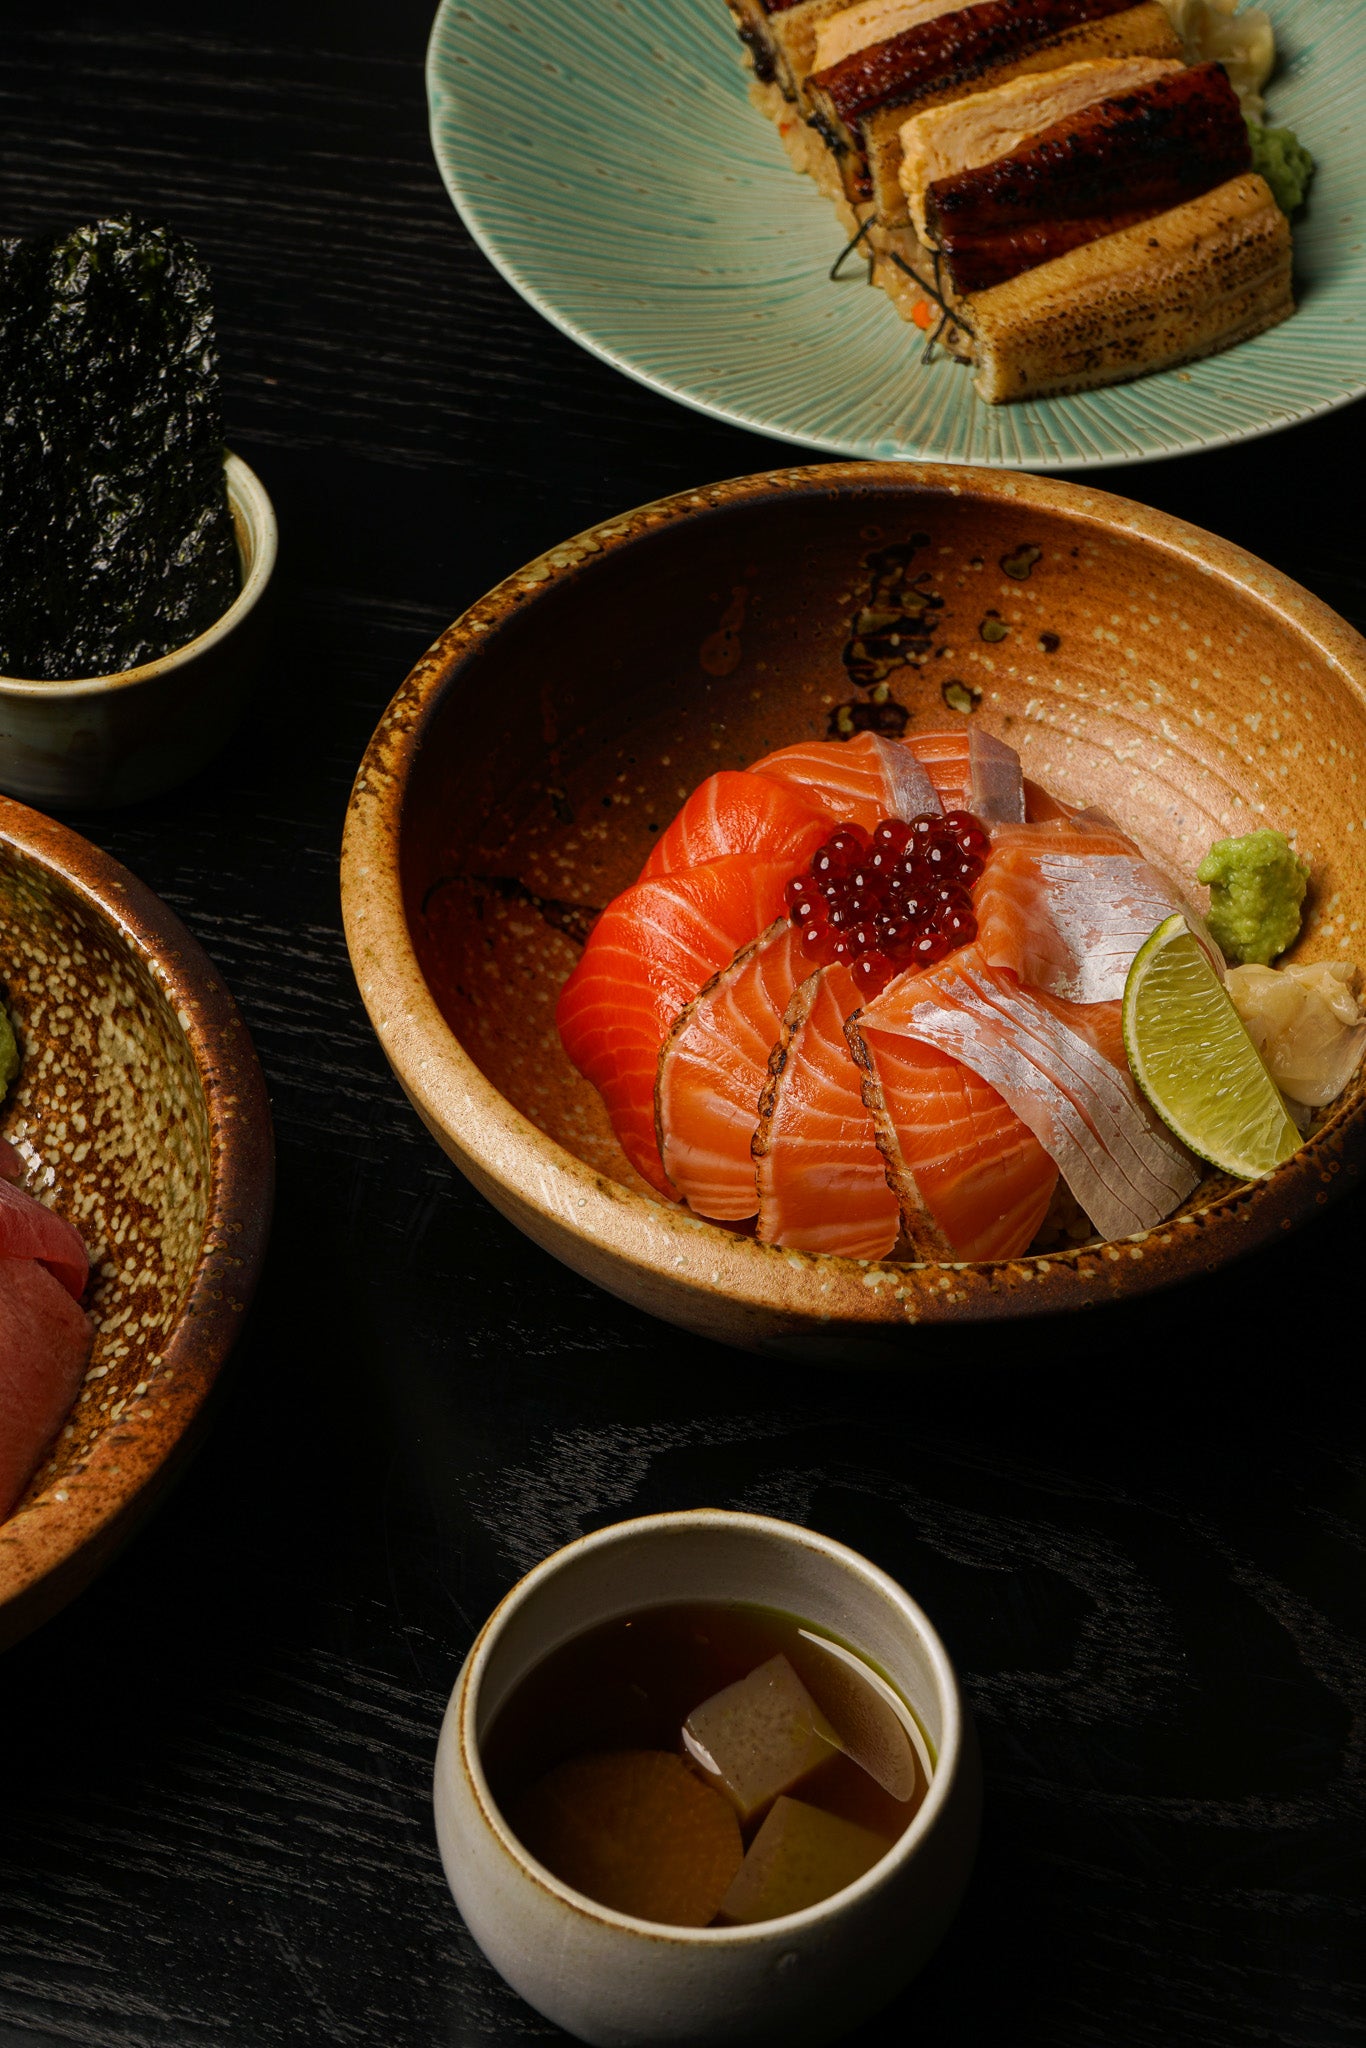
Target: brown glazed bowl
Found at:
x=142, y=1114
x=518, y=777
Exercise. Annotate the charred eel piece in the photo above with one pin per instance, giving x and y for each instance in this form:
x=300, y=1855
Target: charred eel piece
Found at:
x=860, y=104
x=1113, y=164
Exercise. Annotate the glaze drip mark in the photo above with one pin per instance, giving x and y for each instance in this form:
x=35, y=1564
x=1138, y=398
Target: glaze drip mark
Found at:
x=1022, y=561
x=883, y=715
x=894, y=625
x=720, y=652
x=573, y=920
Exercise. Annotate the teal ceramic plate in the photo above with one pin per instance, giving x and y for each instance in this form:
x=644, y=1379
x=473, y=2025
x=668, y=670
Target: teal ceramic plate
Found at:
x=606, y=158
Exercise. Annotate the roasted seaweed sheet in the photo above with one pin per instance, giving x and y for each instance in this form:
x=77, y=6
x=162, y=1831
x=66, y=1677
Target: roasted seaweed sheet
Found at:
x=116, y=542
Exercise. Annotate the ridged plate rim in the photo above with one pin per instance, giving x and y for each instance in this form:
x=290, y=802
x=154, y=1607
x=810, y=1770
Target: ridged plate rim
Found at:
x=452, y=89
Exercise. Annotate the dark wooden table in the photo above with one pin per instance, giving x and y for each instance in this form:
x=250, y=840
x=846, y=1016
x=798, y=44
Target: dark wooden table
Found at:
x=1142, y=1537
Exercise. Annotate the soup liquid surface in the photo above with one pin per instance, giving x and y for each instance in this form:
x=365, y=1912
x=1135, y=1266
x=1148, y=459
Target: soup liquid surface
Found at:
x=615, y=1763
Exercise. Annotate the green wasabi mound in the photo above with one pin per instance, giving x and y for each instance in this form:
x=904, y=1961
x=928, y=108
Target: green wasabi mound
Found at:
x=1256, y=886
x=9, y=1053
x=1282, y=159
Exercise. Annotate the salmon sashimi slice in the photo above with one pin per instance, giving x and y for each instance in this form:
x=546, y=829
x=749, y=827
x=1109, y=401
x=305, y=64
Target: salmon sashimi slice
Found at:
x=971, y=1179
x=735, y=812
x=712, y=1071
x=1069, y=922
x=1061, y=1068
x=860, y=781
x=44, y=1344
x=972, y=771
x=29, y=1231
x=647, y=956
x=822, y=1180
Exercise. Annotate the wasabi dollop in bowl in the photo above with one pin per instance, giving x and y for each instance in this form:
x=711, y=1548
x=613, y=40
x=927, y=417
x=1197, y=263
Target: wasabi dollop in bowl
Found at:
x=520, y=775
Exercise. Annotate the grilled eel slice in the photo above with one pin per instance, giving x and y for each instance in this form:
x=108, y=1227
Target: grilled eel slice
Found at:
x=1106, y=167
x=861, y=103
x=1183, y=284
x=780, y=36
x=987, y=125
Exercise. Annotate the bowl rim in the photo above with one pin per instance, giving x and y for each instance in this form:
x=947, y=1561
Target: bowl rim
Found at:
x=55, y=1542
x=247, y=495
x=511, y=1160
x=464, y=1705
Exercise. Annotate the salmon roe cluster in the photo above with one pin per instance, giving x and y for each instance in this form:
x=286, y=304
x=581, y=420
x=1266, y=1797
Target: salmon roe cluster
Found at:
x=900, y=898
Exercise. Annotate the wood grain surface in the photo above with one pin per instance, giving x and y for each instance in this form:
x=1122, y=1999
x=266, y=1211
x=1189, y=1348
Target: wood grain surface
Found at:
x=1141, y=1536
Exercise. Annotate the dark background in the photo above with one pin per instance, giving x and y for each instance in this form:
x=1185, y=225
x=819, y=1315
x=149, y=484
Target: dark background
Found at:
x=1142, y=1536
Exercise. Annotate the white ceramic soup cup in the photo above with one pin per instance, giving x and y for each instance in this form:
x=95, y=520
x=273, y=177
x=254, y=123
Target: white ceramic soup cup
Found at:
x=106, y=740
x=617, y=1981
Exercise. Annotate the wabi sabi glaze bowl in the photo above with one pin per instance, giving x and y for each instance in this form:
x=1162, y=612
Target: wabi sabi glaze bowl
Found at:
x=620, y=1982
x=519, y=777
x=99, y=741
x=142, y=1117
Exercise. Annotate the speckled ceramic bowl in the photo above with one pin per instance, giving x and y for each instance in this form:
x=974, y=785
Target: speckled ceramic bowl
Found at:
x=517, y=780
x=106, y=740
x=142, y=1114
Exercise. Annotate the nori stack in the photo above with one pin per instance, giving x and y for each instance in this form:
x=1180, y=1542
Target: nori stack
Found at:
x=116, y=542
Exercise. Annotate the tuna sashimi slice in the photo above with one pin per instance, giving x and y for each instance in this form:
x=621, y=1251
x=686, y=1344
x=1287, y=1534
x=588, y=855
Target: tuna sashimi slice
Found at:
x=712, y=1071
x=44, y=1345
x=735, y=812
x=861, y=780
x=972, y=771
x=29, y=1231
x=972, y=1180
x=647, y=956
x=822, y=1180
x=1061, y=1067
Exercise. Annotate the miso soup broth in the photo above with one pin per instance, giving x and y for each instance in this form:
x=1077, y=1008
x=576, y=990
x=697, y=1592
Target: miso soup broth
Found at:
x=706, y=1764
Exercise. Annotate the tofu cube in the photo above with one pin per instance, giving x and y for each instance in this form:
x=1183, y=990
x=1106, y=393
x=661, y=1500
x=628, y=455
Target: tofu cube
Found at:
x=800, y=1855
x=760, y=1737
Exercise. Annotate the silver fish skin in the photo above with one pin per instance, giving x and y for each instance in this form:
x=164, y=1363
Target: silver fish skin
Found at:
x=1094, y=913
x=1125, y=1168
x=996, y=779
x=913, y=794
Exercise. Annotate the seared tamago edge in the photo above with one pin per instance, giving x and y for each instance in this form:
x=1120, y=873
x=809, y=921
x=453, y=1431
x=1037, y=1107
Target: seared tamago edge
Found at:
x=926, y=1239
x=1121, y=160
x=1197, y=279
x=862, y=103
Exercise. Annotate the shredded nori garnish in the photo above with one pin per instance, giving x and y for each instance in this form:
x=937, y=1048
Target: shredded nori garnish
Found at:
x=116, y=542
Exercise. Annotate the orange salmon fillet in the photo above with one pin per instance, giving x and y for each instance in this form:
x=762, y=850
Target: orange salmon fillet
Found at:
x=647, y=956
x=822, y=1181
x=972, y=771
x=1066, y=910
x=712, y=1071
x=972, y=1180
x=735, y=812
x=858, y=781
x=1062, y=1069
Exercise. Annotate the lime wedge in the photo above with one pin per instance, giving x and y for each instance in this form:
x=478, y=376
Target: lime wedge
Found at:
x=1194, y=1061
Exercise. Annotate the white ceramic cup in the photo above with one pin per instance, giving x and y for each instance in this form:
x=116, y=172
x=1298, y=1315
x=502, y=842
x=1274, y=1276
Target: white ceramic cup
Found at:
x=105, y=740
x=619, y=1982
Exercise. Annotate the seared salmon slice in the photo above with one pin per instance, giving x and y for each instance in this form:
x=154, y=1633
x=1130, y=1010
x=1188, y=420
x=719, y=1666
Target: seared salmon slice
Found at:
x=973, y=1182
x=822, y=1180
x=647, y=956
x=712, y=1071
